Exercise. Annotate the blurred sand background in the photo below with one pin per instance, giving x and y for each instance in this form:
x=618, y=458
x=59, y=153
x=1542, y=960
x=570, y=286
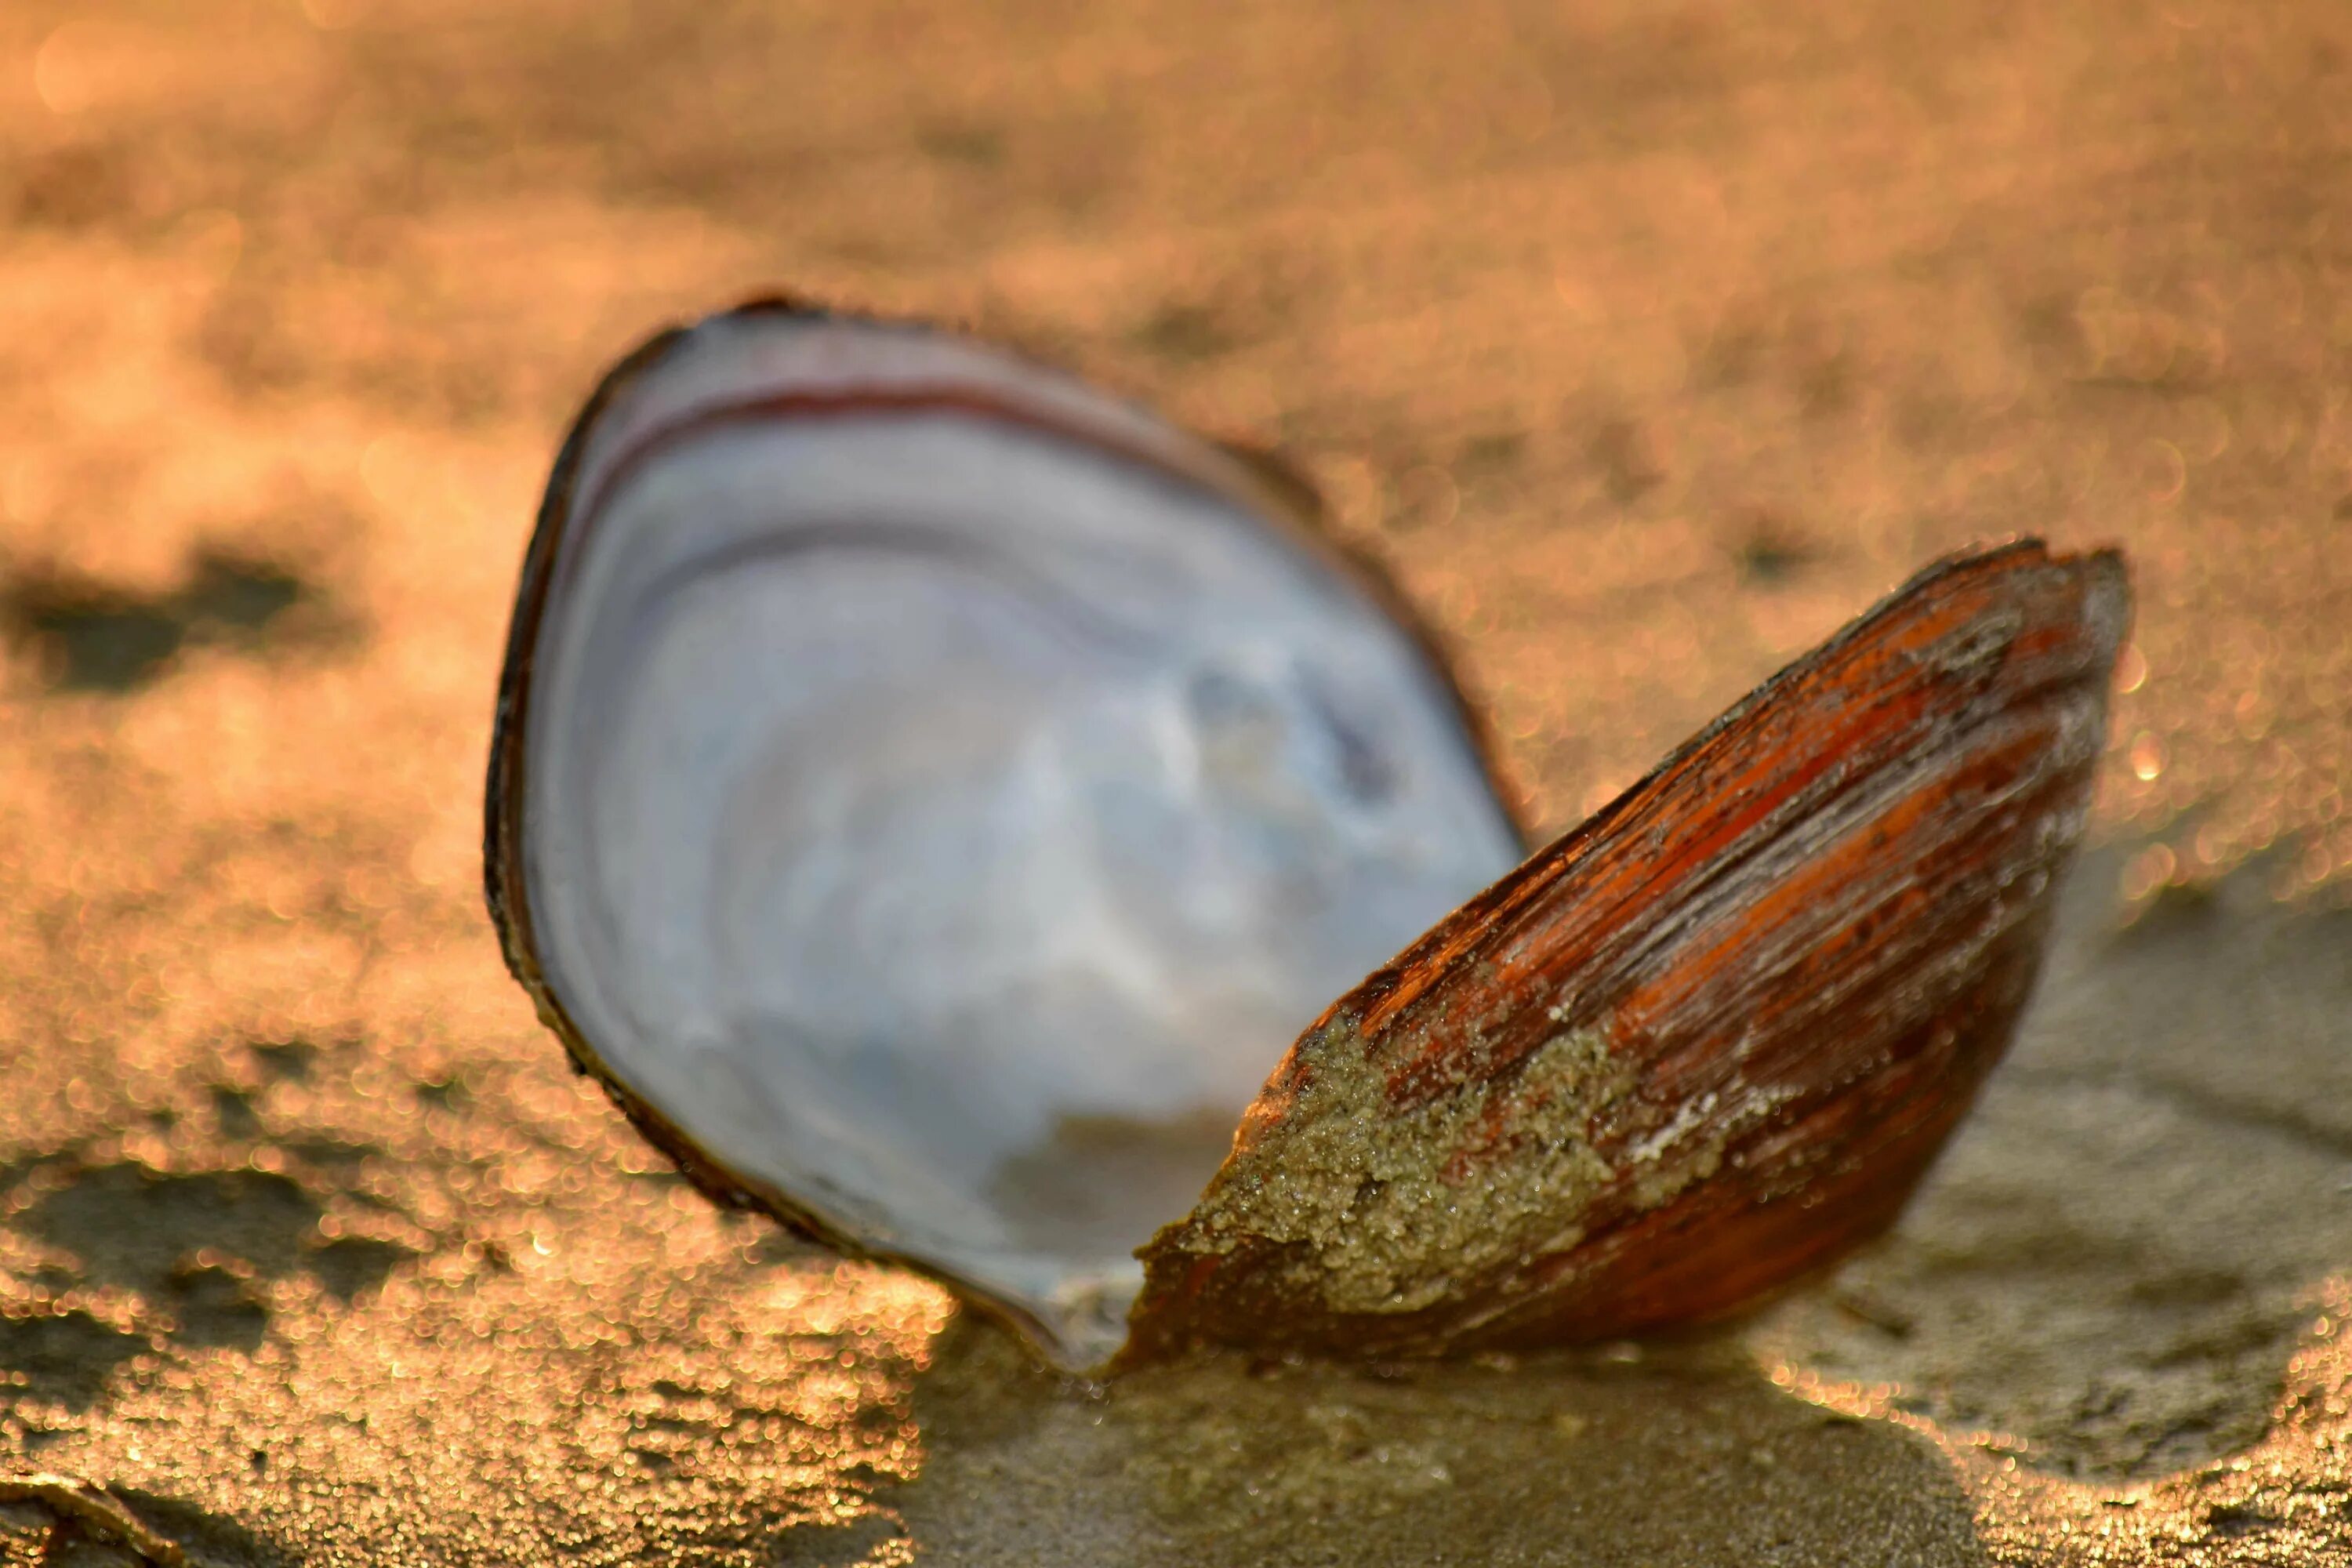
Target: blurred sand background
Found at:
x=1649, y=342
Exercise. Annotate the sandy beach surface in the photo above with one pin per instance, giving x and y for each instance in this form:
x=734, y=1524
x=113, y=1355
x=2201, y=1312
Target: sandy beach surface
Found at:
x=1648, y=341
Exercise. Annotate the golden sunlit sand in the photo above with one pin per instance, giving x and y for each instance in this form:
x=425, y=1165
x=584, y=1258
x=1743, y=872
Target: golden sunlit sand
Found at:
x=1648, y=343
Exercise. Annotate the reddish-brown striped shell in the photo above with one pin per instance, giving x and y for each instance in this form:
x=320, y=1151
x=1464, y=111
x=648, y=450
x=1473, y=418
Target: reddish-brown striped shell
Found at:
x=1704, y=1042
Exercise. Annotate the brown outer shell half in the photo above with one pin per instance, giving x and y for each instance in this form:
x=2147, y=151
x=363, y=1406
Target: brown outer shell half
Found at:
x=1254, y=481
x=1707, y=1041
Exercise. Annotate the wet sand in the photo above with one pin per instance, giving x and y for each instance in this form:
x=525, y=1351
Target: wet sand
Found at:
x=1649, y=344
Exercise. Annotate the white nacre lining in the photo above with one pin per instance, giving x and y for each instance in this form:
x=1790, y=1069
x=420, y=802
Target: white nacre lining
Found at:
x=950, y=822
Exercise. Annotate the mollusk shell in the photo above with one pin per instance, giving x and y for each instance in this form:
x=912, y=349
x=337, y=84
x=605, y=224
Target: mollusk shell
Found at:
x=1707, y=1041
x=928, y=793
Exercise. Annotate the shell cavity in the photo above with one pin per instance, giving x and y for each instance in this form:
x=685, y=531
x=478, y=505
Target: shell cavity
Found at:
x=931, y=793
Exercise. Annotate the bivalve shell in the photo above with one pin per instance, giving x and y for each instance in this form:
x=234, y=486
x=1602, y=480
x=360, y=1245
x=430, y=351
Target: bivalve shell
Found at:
x=928, y=793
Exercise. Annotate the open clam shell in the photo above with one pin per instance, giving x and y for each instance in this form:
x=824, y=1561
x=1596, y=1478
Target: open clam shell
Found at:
x=929, y=794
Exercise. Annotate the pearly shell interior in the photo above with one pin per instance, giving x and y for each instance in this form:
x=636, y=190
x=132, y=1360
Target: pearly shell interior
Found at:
x=933, y=793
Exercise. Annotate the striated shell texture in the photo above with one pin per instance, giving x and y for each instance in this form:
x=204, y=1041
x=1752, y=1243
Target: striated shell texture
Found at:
x=1708, y=1040
x=929, y=794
